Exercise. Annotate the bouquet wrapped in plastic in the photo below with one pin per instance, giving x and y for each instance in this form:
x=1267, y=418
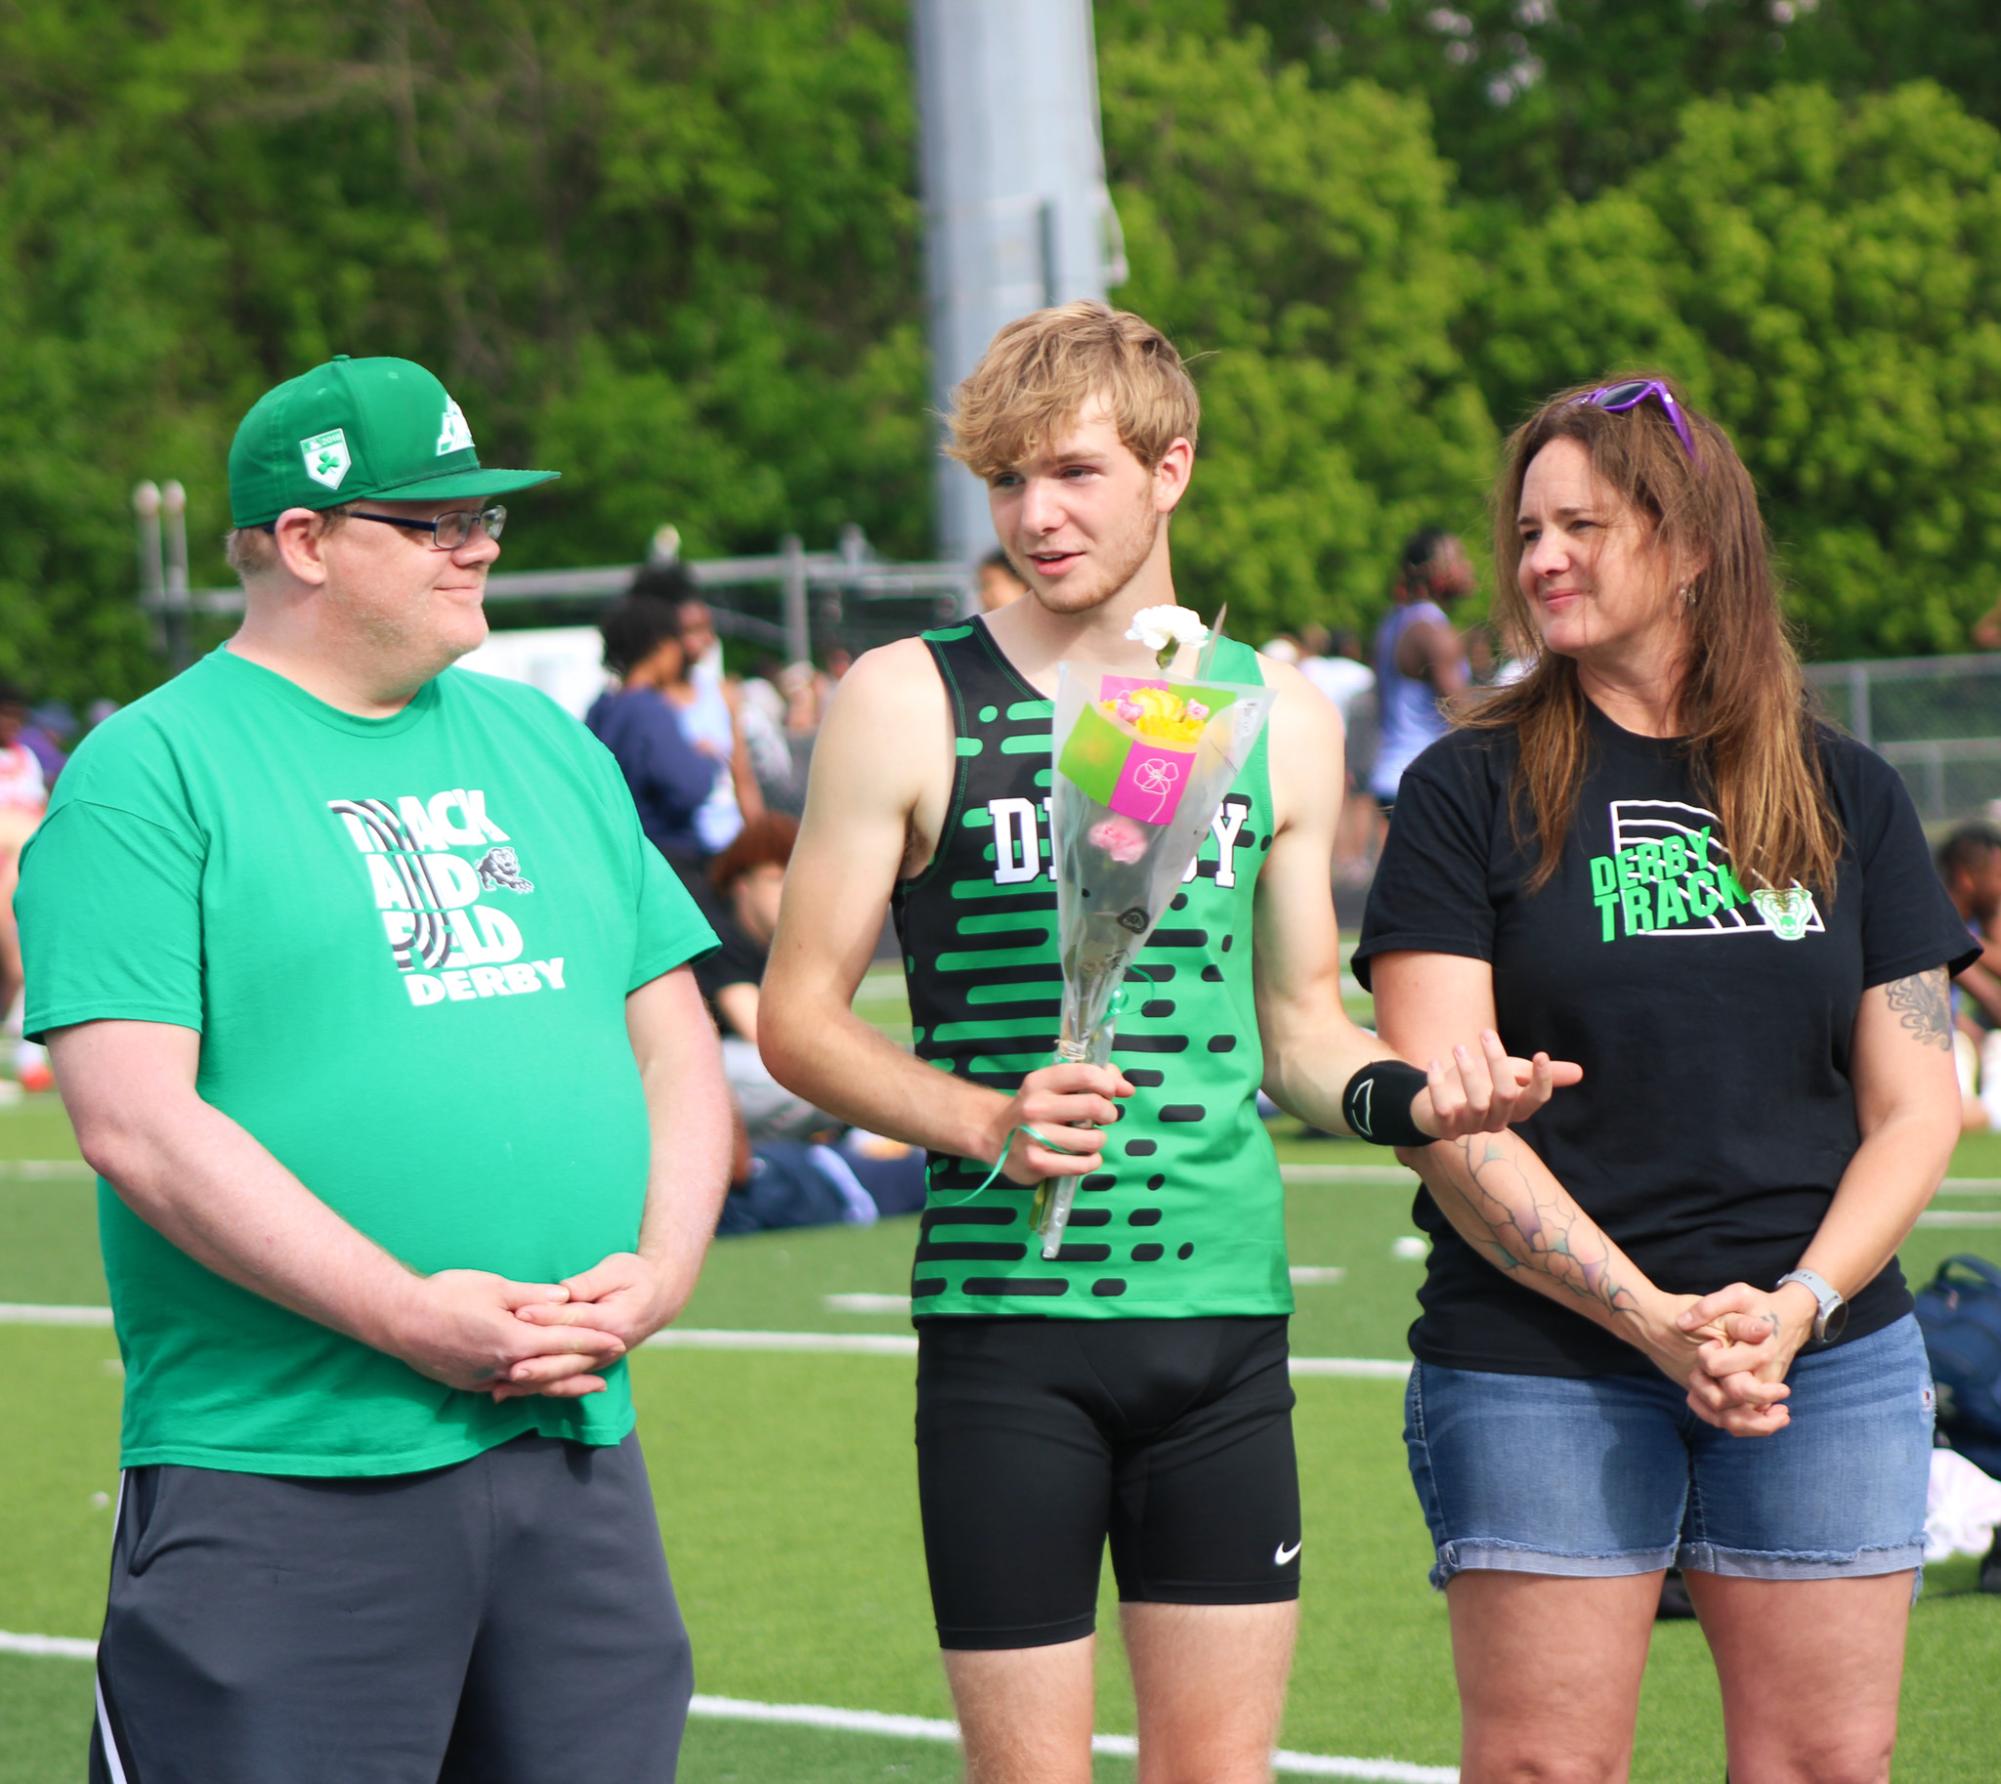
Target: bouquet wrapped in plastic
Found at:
x=1142, y=763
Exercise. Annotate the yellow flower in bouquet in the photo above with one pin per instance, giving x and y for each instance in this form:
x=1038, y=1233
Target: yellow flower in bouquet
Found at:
x=1159, y=715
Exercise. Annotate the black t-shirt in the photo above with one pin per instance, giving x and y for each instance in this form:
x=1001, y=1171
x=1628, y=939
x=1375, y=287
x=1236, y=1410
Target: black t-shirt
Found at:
x=736, y=960
x=1714, y=1025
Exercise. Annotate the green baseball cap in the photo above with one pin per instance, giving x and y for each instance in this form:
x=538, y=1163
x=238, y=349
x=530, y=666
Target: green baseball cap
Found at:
x=382, y=428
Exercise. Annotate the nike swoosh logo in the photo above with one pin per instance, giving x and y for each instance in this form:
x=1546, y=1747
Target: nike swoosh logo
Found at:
x=1284, y=1552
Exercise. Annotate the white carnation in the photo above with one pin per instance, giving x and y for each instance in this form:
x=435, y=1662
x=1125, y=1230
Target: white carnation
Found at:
x=1164, y=630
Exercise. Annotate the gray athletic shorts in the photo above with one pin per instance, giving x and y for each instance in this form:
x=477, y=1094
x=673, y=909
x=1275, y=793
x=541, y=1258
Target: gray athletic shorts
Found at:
x=508, y=1620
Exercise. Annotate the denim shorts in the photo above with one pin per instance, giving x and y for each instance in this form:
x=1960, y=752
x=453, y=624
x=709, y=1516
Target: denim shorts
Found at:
x=1604, y=1475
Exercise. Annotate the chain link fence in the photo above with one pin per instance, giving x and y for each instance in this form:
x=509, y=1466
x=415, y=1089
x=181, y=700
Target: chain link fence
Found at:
x=791, y=604
x=1937, y=720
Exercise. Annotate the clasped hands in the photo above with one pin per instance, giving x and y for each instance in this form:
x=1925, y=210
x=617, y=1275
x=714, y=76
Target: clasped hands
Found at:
x=489, y=1334
x=1732, y=1349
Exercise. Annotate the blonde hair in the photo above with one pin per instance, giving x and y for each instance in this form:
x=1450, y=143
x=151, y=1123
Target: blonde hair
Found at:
x=1040, y=371
x=1743, y=703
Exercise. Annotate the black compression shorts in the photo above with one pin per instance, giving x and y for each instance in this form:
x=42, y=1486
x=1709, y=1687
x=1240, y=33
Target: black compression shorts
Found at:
x=1039, y=1438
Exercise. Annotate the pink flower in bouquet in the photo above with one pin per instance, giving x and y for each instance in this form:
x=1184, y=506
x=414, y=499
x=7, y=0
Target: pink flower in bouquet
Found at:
x=1128, y=709
x=1120, y=838
x=1196, y=710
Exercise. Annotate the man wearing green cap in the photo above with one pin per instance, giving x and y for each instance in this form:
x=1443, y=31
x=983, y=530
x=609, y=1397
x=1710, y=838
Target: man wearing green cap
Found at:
x=369, y=1002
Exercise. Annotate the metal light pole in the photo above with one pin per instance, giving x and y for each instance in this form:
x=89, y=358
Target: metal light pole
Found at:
x=174, y=514
x=1016, y=211
x=152, y=572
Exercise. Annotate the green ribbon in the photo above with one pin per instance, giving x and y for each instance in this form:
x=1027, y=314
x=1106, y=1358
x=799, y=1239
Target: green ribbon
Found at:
x=987, y=1182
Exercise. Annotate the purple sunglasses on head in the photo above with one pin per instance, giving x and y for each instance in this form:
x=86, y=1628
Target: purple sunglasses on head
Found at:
x=1615, y=399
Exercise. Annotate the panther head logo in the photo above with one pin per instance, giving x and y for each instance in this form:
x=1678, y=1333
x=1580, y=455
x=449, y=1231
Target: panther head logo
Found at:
x=498, y=869
x=1786, y=912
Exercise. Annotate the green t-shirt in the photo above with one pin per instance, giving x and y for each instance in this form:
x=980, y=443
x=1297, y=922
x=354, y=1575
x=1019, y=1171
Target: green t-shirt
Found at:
x=406, y=944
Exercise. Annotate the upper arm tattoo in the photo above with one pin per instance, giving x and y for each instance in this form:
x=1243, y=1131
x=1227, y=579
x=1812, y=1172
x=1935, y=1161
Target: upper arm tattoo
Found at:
x=1923, y=1007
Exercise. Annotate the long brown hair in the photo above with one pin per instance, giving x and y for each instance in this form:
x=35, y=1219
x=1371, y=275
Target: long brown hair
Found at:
x=1742, y=701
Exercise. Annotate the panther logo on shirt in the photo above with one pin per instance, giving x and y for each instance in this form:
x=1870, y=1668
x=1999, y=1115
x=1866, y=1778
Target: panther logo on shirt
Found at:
x=499, y=869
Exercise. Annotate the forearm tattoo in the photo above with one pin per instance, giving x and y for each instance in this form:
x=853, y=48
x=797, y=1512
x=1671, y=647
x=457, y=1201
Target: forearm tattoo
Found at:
x=1533, y=1229
x=1923, y=1007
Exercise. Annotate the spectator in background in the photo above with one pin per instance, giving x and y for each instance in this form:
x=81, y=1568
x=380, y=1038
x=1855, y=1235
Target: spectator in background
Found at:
x=706, y=699
x=998, y=585
x=1420, y=658
x=49, y=728
x=1969, y=864
x=24, y=796
x=833, y=1178
x=746, y=881
x=794, y=1165
x=806, y=691
x=670, y=777
x=762, y=712
x=1487, y=664
x=1333, y=663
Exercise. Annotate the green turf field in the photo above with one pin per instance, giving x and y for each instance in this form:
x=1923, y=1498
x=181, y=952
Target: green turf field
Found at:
x=786, y=1490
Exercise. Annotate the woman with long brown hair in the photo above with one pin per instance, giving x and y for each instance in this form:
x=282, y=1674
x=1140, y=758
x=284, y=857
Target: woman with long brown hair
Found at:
x=1663, y=1322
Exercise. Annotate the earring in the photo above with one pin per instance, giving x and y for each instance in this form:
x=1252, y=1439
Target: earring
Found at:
x=1687, y=594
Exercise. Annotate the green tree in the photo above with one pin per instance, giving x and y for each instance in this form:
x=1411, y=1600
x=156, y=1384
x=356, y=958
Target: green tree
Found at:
x=1539, y=99
x=673, y=251
x=1822, y=276
x=1298, y=245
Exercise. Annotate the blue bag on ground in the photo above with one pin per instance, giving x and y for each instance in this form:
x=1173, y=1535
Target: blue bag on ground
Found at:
x=1959, y=1311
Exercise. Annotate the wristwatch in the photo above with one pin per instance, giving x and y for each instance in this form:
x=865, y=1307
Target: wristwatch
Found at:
x=1833, y=1310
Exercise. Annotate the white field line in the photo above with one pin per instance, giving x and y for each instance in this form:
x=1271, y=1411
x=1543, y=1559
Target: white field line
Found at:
x=1120, y=1746
x=866, y=1303
x=902, y=1728
x=886, y=1344
x=1959, y=1217
x=1389, y=1173
x=52, y=1170
x=48, y=1647
x=23, y=1313
x=853, y=1344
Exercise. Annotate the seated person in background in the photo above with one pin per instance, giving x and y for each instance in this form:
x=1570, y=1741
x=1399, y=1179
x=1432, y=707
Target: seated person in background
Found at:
x=794, y=1165
x=744, y=885
x=1969, y=865
x=669, y=776
x=853, y=1181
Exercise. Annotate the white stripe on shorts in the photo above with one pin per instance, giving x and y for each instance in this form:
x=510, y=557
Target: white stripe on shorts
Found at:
x=112, y=1756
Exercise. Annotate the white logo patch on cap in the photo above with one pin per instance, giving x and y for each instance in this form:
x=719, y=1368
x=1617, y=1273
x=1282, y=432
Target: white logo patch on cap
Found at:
x=453, y=434
x=326, y=457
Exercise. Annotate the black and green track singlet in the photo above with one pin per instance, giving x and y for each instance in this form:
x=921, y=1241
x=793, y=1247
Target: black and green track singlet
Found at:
x=1186, y=1219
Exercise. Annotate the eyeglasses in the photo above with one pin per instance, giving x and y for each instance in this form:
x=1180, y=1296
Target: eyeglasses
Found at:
x=1615, y=399
x=450, y=530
